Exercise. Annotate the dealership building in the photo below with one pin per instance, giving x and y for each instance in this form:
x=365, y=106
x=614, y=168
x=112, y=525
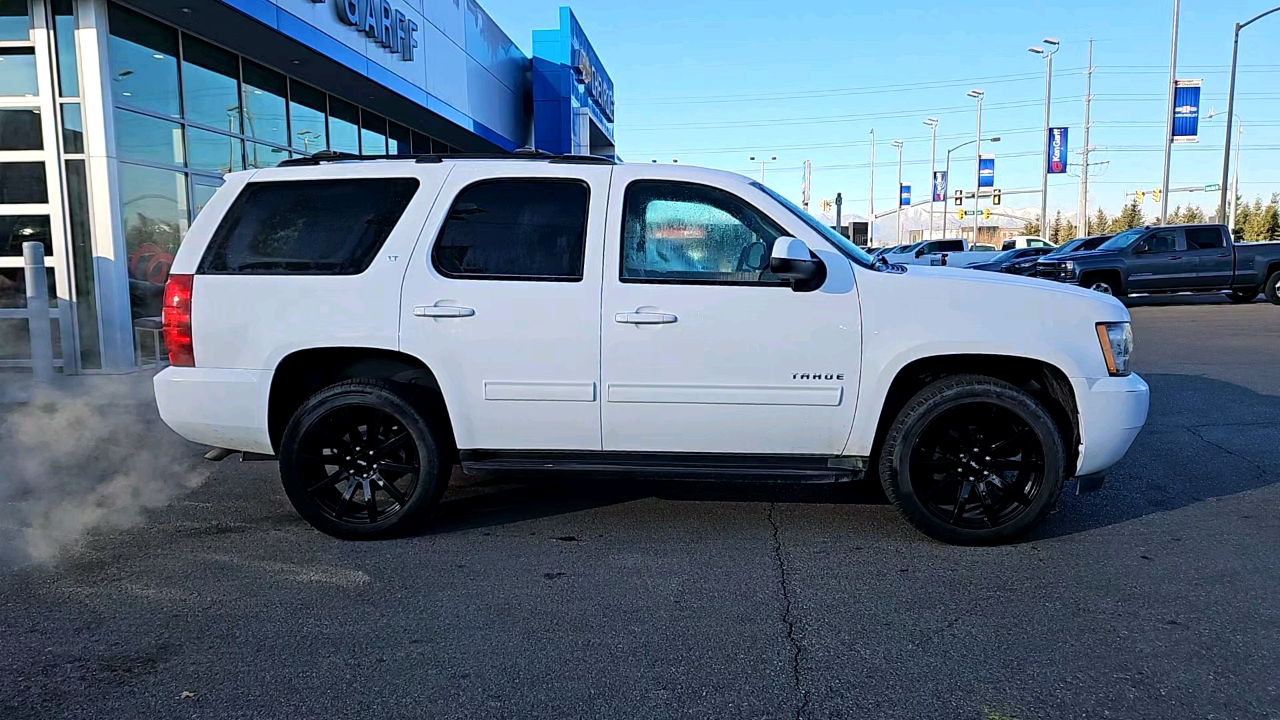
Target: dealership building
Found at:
x=119, y=119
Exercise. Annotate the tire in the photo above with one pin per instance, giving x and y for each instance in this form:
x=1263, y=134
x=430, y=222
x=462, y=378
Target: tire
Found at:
x=1272, y=288
x=1018, y=472
x=396, y=457
x=1104, y=285
x=1242, y=297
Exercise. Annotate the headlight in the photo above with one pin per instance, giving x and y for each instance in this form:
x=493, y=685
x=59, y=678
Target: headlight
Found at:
x=1117, y=345
x=1069, y=267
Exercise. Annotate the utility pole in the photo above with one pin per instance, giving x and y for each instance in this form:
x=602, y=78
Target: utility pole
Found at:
x=977, y=161
x=871, y=195
x=1052, y=44
x=1168, y=118
x=897, y=214
x=1082, y=207
x=808, y=170
x=933, y=148
x=839, y=205
x=1235, y=177
x=1231, y=98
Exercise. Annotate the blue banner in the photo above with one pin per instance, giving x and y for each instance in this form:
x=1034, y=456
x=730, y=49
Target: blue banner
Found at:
x=940, y=186
x=1186, y=110
x=904, y=194
x=987, y=171
x=1057, y=151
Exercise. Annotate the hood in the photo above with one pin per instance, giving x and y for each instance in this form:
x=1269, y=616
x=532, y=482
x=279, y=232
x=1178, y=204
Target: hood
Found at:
x=1082, y=255
x=1009, y=289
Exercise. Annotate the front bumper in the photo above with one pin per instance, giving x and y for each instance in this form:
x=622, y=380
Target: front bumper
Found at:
x=1112, y=412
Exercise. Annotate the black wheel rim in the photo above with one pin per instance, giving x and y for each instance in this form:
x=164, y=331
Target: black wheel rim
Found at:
x=359, y=464
x=977, y=466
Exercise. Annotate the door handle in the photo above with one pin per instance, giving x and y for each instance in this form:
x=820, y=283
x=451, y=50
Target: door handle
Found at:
x=442, y=311
x=644, y=318
x=1224, y=254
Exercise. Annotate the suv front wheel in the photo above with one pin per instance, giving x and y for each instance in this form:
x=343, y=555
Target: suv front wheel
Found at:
x=972, y=460
x=359, y=460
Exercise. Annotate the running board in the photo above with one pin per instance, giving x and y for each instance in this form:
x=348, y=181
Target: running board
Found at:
x=798, y=468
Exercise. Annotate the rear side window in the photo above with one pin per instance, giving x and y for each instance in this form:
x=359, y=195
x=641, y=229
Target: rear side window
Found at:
x=307, y=227
x=946, y=246
x=1207, y=238
x=515, y=229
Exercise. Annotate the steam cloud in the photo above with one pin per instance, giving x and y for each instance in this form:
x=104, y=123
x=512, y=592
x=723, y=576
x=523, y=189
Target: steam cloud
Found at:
x=73, y=462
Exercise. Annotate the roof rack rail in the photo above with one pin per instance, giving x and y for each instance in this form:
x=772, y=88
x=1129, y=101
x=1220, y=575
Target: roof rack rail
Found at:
x=324, y=156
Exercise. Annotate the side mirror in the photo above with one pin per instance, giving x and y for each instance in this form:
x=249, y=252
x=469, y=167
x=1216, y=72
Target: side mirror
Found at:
x=920, y=252
x=793, y=260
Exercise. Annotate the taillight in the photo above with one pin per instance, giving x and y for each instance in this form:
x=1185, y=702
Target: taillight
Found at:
x=176, y=316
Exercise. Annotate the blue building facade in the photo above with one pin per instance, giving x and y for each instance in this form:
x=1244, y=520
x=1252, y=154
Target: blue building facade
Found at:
x=572, y=92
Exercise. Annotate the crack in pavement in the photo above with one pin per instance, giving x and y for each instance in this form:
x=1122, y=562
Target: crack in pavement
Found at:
x=1262, y=470
x=787, y=619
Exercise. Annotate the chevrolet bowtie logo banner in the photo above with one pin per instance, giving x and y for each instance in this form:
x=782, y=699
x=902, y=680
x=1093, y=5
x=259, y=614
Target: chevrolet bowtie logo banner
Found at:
x=987, y=171
x=1186, y=110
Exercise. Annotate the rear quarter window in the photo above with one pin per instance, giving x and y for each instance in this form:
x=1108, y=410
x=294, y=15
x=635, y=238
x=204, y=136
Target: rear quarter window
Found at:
x=307, y=227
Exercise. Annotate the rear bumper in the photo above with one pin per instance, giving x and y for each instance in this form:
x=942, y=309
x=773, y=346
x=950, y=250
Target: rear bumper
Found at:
x=1112, y=412
x=222, y=408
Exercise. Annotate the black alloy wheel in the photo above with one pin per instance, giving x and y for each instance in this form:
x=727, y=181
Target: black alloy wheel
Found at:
x=973, y=460
x=359, y=460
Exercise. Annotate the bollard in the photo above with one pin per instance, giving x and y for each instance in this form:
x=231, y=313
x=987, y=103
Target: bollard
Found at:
x=38, y=312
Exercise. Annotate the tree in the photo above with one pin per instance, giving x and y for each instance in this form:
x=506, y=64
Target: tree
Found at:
x=1055, y=229
x=1099, y=223
x=1193, y=214
x=1175, y=217
x=1256, y=227
x=1031, y=227
x=1243, y=211
x=1068, y=232
x=1271, y=218
x=1130, y=217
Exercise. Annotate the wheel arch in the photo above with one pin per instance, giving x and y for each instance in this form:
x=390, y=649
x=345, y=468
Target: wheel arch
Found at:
x=1112, y=274
x=302, y=373
x=1043, y=380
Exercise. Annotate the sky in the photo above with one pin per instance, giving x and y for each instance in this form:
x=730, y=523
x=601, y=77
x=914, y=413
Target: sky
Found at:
x=713, y=82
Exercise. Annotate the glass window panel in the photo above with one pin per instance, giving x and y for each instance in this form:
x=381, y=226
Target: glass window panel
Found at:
x=264, y=156
x=142, y=137
x=373, y=134
x=18, y=229
x=153, y=211
x=306, y=118
x=15, y=339
x=398, y=140
x=144, y=61
x=421, y=144
x=20, y=129
x=13, y=290
x=202, y=190
x=23, y=183
x=210, y=89
x=14, y=20
x=264, y=104
x=344, y=126
x=86, y=302
x=515, y=230
x=72, y=128
x=64, y=29
x=214, y=151
x=18, y=72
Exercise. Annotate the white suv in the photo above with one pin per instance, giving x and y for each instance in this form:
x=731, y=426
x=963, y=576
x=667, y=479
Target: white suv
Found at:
x=373, y=322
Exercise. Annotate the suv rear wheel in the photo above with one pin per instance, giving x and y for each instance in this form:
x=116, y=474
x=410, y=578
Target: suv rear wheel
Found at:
x=973, y=460
x=359, y=460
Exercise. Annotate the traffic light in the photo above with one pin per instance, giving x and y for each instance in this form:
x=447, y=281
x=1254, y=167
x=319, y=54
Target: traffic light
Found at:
x=960, y=214
x=959, y=198
x=995, y=197
x=986, y=213
x=826, y=205
x=1155, y=195
x=1140, y=194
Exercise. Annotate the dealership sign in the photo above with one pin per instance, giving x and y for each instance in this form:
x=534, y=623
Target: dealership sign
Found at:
x=588, y=72
x=904, y=194
x=940, y=186
x=987, y=171
x=382, y=21
x=1057, y=150
x=1186, y=110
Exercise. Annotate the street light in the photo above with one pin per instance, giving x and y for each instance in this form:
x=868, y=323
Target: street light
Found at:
x=977, y=160
x=1231, y=98
x=897, y=145
x=933, y=146
x=1052, y=47
x=995, y=139
x=1230, y=212
x=762, y=161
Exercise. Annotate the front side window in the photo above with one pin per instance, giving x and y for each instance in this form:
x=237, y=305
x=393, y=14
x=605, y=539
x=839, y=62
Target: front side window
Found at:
x=1206, y=238
x=693, y=234
x=308, y=227
x=1163, y=241
x=515, y=229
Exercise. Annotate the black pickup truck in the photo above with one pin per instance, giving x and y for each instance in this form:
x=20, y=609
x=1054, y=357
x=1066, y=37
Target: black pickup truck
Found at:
x=1169, y=259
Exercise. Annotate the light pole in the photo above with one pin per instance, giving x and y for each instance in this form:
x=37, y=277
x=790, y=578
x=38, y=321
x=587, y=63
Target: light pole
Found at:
x=933, y=148
x=966, y=143
x=1231, y=98
x=762, y=161
x=871, y=195
x=1168, y=118
x=977, y=160
x=1048, y=51
x=897, y=144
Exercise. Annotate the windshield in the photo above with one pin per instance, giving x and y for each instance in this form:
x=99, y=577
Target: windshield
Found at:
x=1068, y=246
x=853, y=252
x=1122, y=241
x=901, y=249
x=1005, y=256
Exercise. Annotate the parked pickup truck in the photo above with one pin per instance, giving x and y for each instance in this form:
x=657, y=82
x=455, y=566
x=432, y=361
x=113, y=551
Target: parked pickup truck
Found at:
x=373, y=322
x=1172, y=258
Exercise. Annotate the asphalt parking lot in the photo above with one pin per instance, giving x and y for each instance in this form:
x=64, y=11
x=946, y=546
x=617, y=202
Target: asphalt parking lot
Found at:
x=1157, y=597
